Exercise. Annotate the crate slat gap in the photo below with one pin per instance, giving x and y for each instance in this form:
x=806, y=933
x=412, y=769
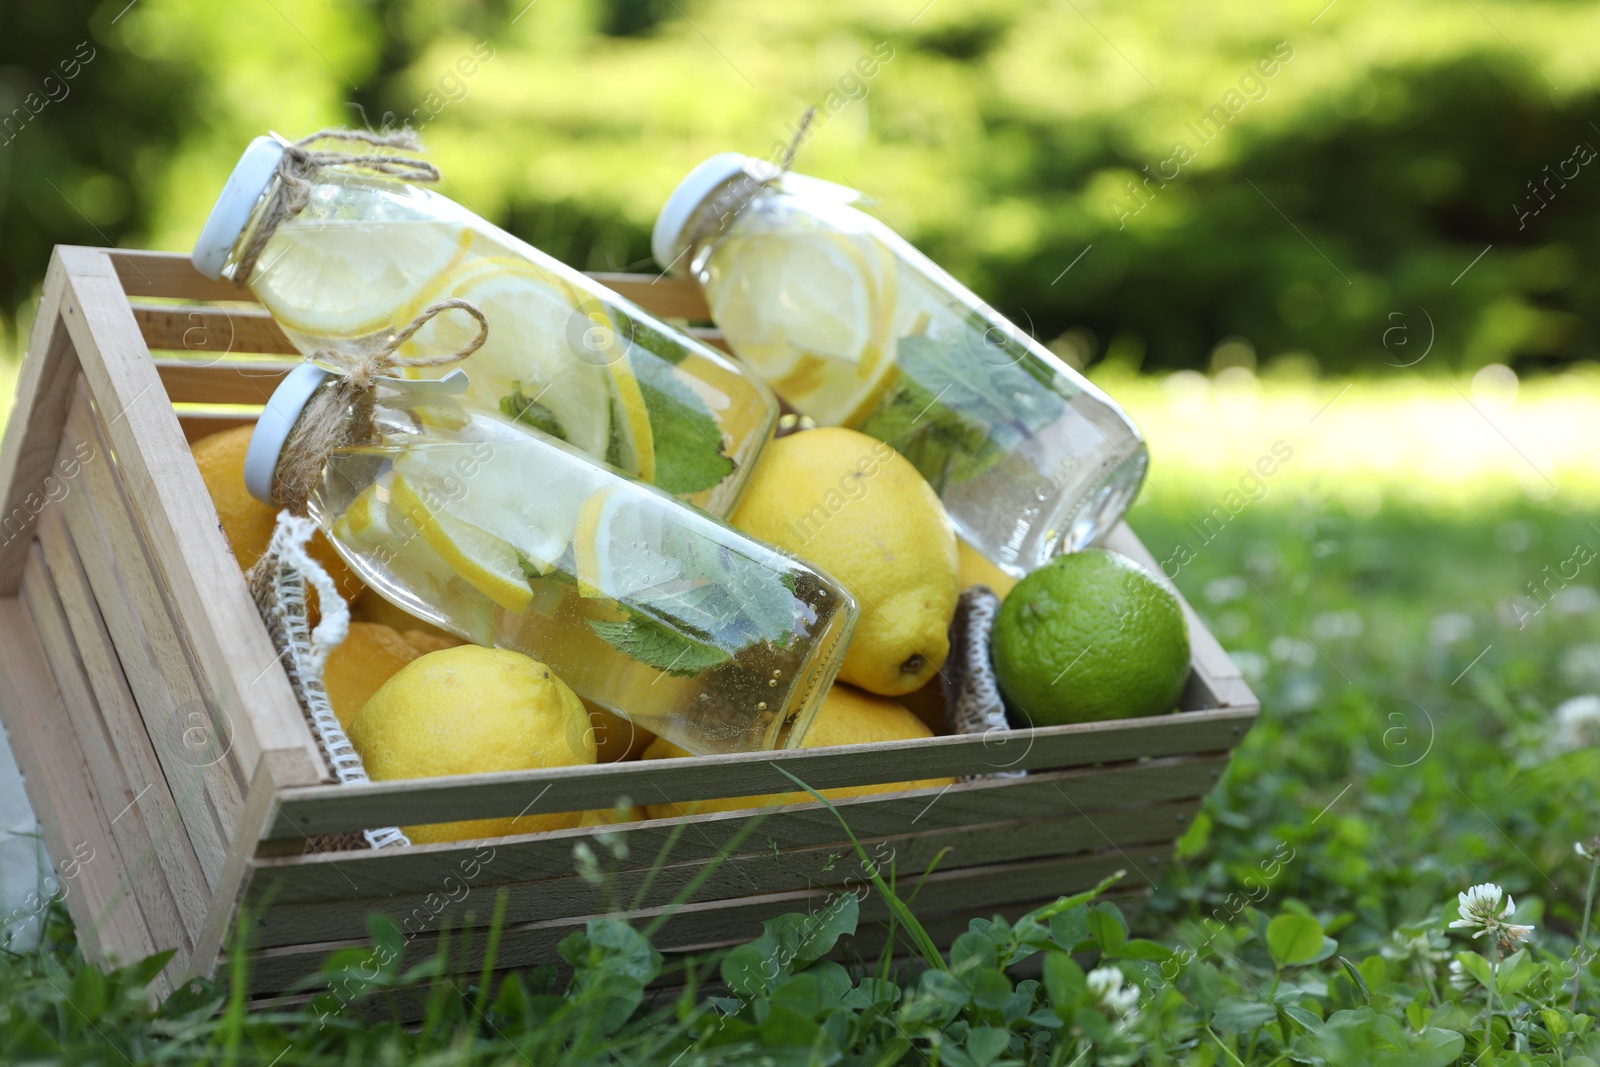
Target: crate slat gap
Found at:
x=122, y=612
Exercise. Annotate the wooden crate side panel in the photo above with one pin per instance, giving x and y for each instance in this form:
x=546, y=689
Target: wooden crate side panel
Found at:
x=197, y=569
x=151, y=838
x=548, y=897
x=173, y=700
x=33, y=432
x=110, y=926
x=527, y=944
x=220, y=918
x=703, y=838
x=334, y=809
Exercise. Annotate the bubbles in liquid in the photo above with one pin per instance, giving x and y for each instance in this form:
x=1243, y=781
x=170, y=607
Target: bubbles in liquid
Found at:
x=772, y=683
x=761, y=706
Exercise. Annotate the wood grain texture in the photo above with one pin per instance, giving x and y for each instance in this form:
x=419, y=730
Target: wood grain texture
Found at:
x=335, y=809
x=211, y=332
x=717, y=922
x=553, y=892
x=168, y=275
x=234, y=883
x=110, y=927
x=161, y=863
x=28, y=449
x=155, y=659
x=663, y=296
x=199, y=573
x=233, y=381
x=198, y=424
x=423, y=868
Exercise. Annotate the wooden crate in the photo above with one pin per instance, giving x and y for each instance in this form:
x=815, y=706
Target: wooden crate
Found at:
x=178, y=783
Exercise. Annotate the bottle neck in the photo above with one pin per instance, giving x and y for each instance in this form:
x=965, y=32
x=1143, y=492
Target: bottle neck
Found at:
x=717, y=213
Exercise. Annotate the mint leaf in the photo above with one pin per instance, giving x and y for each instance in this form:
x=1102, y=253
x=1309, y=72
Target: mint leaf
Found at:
x=615, y=447
x=524, y=409
x=660, y=646
x=688, y=441
x=958, y=406
x=653, y=340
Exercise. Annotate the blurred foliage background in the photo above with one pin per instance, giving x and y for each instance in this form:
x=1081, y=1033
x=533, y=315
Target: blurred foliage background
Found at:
x=1360, y=181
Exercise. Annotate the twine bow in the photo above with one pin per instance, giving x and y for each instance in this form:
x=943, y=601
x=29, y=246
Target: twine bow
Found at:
x=340, y=413
x=299, y=166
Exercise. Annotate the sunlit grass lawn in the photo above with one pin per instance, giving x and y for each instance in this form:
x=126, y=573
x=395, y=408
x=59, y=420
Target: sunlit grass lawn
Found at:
x=1412, y=594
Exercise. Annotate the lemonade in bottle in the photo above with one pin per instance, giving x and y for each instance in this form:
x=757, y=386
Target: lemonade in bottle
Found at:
x=510, y=537
x=854, y=327
x=364, y=252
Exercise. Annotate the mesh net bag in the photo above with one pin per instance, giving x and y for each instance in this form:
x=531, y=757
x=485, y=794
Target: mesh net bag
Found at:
x=971, y=694
x=278, y=582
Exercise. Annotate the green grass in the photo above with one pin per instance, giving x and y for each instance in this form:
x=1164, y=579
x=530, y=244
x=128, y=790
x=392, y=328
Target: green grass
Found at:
x=1407, y=750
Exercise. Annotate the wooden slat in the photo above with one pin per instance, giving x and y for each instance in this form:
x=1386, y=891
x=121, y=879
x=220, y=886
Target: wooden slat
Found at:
x=526, y=944
x=110, y=927
x=112, y=736
x=234, y=881
x=423, y=868
x=336, y=809
x=1212, y=665
x=44, y=388
x=157, y=662
x=663, y=296
x=542, y=896
x=200, y=575
x=198, y=424
x=169, y=275
x=213, y=332
x=225, y=382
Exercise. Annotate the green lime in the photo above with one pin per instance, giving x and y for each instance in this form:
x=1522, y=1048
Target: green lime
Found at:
x=1090, y=636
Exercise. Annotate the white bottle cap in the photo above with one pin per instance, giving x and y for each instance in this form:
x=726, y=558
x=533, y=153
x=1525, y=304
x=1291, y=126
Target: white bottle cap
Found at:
x=272, y=428
x=666, y=240
x=232, y=210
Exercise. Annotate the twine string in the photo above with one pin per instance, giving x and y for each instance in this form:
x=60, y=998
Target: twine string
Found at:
x=715, y=214
x=340, y=412
x=300, y=165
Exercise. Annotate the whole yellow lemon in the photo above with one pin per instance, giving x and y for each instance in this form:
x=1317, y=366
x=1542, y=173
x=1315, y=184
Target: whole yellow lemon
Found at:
x=470, y=709
x=860, y=511
x=847, y=717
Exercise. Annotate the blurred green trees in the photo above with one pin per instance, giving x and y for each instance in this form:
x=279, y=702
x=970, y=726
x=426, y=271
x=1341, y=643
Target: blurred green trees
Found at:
x=1339, y=197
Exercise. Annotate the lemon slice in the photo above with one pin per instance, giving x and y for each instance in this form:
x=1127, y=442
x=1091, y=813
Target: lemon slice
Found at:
x=331, y=278
x=811, y=310
x=599, y=340
x=488, y=563
x=617, y=546
x=532, y=319
x=365, y=528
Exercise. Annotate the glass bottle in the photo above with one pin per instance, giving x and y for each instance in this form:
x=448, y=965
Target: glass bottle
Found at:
x=509, y=537
x=566, y=355
x=854, y=327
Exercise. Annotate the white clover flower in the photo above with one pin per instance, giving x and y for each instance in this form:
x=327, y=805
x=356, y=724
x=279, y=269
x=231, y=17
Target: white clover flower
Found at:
x=1480, y=910
x=1577, y=723
x=1105, y=985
